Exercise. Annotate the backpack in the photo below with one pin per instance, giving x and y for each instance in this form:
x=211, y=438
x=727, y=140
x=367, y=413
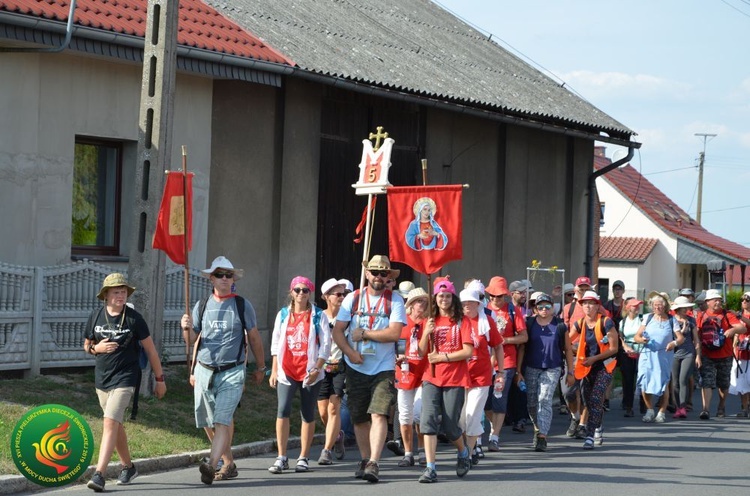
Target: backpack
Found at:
x=315, y=319
x=711, y=331
x=388, y=294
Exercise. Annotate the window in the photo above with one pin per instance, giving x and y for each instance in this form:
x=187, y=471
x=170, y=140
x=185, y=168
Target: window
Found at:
x=97, y=172
x=601, y=214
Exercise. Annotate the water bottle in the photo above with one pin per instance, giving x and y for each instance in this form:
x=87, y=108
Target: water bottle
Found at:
x=522, y=386
x=497, y=392
x=605, y=340
x=405, y=366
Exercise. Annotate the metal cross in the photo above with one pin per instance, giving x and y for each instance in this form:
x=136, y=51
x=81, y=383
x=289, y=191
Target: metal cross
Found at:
x=377, y=136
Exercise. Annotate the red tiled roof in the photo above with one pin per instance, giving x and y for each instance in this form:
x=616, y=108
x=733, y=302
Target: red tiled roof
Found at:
x=621, y=249
x=200, y=26
x=664, y=212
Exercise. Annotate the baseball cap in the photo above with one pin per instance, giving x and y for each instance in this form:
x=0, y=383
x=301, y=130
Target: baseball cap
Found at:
x=583, y=281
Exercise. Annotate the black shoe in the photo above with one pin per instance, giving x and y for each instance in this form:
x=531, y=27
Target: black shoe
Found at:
x=207, y=473
x=371, y=472
x=97, y=482
x=519, y=427
x=606, y=405
x=127, y=475
x=428, y=476
x=463, y=465
x=360, y=472
x=395, y=447
x=581, y=432
x=474, y=458
x=541, y=444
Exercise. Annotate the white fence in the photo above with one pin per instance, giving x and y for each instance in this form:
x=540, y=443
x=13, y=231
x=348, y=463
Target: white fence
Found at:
x=43, y=312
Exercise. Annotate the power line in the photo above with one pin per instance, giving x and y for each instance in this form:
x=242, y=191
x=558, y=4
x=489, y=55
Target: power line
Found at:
x=670, y=170
x=725, y=209
x=735, y=8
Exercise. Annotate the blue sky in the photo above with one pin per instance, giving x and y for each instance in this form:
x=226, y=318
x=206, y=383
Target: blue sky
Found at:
x=667, y=69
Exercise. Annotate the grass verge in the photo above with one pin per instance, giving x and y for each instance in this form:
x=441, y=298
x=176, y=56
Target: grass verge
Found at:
x=163, y=427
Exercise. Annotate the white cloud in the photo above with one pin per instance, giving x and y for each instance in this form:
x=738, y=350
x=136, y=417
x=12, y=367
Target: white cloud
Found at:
x=590, y=84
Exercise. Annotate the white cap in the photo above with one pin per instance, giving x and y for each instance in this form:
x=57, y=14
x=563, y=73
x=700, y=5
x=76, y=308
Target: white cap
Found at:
x=469, y=295
x=332, y=283
x=712, y=294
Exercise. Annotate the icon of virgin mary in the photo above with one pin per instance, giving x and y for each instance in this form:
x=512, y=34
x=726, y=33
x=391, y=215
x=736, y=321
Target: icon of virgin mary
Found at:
x=424, y=233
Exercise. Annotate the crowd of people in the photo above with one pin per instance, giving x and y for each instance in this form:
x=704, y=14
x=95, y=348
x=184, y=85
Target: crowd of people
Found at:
x=450, y=363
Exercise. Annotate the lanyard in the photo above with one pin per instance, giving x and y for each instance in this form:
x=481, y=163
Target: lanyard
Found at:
x=373, y=312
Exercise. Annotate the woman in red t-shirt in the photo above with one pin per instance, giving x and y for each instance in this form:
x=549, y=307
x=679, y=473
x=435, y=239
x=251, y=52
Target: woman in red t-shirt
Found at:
x=488, y=344
x=300, y=346
x=409, y=369
x=447, y=343
x=739, y=382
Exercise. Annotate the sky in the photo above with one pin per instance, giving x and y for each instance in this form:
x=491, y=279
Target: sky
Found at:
x=666, y=69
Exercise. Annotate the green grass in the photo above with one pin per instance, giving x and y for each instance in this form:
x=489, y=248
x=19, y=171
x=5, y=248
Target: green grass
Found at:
x=163, y=427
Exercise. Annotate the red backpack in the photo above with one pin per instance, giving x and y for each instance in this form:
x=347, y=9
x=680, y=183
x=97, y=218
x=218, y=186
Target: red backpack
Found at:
x=711, y=331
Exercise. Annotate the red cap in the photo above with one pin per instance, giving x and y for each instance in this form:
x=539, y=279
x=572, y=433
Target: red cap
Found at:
x=583, y=281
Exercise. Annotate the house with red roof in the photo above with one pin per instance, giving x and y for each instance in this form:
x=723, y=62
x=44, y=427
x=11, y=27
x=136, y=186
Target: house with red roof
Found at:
x=272, y=101
x=650, y=243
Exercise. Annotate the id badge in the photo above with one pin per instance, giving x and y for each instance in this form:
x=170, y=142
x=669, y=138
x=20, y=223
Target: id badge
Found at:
x=368, y=347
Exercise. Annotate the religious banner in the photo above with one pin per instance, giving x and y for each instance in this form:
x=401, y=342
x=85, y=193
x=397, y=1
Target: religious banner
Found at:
x=424, y=226
x=171, y=223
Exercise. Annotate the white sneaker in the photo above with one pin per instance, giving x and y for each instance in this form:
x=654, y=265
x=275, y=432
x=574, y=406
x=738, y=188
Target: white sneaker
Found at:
x=660, y=418
x=598, y=436
x=649, y=417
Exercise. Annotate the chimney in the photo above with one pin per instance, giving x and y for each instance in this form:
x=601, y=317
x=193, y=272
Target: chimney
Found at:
x=600, y=151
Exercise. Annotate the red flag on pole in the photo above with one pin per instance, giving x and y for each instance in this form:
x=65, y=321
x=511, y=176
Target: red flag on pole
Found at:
x=171, y=223
x=424, y=226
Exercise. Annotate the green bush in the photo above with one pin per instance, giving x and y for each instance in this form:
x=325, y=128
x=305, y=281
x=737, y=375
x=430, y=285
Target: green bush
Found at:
x=733, y=300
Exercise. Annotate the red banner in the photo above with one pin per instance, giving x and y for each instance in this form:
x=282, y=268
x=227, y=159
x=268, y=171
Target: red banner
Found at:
x=424, y=226
x=170, y=225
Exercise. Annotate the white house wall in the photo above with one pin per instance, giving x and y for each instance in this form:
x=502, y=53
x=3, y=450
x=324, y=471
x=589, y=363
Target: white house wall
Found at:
x=46, y=100
x=621, y=220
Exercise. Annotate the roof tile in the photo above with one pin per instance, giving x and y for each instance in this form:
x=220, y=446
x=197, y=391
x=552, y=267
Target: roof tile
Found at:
x=664, y=212
x=623, y=249
x=212, y=31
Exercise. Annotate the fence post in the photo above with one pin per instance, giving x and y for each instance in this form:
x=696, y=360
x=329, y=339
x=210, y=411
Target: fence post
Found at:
x=36, y=330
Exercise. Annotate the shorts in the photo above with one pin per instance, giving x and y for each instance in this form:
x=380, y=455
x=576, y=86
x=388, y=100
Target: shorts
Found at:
x=216, y=405
x=308, y=397
x=472, y=414
x=332, y=384
x=715, y=372
x=409, y=406
x=115, y=401
x=369, y=394
x=500, y=405
x=441, y=410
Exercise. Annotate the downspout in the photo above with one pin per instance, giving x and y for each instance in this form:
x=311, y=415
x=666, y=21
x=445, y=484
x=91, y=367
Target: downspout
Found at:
x=589, y=266
x=65, y=43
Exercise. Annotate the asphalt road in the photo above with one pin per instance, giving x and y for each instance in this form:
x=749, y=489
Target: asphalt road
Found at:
x=681, y=457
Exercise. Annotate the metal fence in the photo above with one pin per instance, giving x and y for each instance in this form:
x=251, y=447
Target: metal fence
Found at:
x=43, y=312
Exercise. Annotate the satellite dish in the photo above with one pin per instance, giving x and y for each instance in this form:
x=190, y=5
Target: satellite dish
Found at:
x=619, y=154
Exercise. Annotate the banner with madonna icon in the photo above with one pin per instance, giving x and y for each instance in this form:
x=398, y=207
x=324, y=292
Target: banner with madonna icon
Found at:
x=424, y=226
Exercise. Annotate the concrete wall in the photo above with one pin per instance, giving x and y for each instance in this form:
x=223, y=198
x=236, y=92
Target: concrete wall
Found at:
x=46, y=100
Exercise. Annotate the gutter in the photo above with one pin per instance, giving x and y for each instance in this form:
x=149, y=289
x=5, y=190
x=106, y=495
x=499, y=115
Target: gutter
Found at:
x=63, y=46
x=589, y=263
x=127, y=40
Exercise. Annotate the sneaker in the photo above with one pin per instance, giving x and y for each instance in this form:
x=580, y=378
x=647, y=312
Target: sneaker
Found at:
x=720, y=413
x=541, y=444
x=493, y=445
x=580, y=432
x=629, y=412
x=678, y=414
x=360, y=472
x=588, y=444
x=395, y=447
x=302, y=465
x=519, y=427
x=281, y=464
x=649, y=416
x=606, y=405
x=572, y=428
x=423, y=459
x=563, y=409
x=97, y=482
x=428, y=476
x=127, y=475
x=660, y=418
x=463, y=465
x=406, y=461
x=326, y=457
x=338, y=447
x=207, y=473
x=479, y=451
x=371, y=472
x=704, y=415
x=742, y=414
x=474, y=458
x=598, y=436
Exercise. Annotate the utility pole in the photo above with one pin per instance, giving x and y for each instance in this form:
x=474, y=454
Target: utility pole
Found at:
x=701, y=160
x=146, y=265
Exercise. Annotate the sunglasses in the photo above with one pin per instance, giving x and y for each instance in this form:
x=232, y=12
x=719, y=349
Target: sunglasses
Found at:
x=340, y=295
x=222, y=275
x=380, y=273
x=745, y=299
x=544, y=307
x=491, y=296
x=570, y=294
x=301, y=290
